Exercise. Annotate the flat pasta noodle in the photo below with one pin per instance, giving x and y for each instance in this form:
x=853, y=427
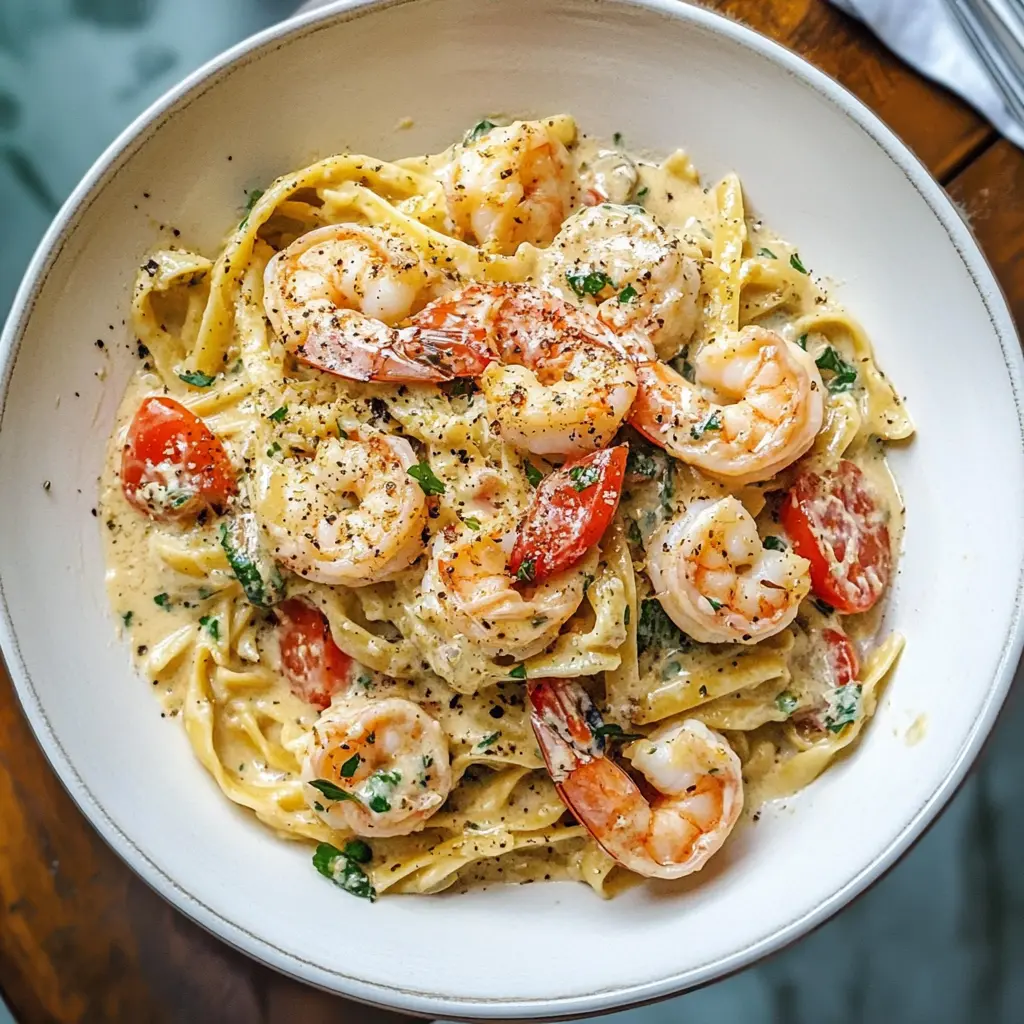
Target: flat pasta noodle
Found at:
x=208, y=635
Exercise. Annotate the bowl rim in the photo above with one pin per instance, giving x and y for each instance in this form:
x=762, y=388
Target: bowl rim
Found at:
x=396, y=997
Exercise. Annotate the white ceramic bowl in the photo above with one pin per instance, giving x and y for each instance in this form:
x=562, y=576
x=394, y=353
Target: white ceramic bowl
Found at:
x=825, y=173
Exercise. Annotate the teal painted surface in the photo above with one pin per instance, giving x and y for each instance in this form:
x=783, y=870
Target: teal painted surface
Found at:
x=939, y=941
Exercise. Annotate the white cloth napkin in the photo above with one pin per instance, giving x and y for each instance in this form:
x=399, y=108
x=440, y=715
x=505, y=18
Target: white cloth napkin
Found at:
x=927, y=37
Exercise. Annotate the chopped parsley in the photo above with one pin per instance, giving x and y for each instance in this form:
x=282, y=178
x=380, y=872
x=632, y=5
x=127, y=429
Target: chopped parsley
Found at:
x=802, y=341
x=253, y=568
x=472, y=522
x=633, y=534
x=715, y=605
x=767, y=252
x=794, y=262
x=843, y=706
x=350, y=767
x=163, y=600
x=713, y=422
x=379, y=785
x=127, y=617
x=823, y=606
x=273, y=450
x=463, y=387
x=342, y=432
x=527, y=570
x=845, y=375
x=331, y=791
x=424, y=476
x=342, y=867
x=519, y=672
x=279, y=414
x=488, y=740
x=641, y=462
x=587, y=580
x=774, y=543
x=533, y=474
x=628, y=294
x=786, y=702
x=614, y=732
x=583, y=477
x=656, y=630
x=211, y=624
x=251, y=199
x=588, y=283
x=478, y=131
x=197, y=379
x=641, y=193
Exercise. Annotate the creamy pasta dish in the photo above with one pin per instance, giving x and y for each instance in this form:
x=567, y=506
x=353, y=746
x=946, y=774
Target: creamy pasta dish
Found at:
x=518, y=512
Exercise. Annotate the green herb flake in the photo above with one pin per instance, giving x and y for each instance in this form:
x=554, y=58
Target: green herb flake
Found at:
x=626, y=616
x=462, y=387
x=379, y=785
x=715, y=605
x=767, y=253
x=519, y=672
x=823, y=606
x=641, y=462
x=211, y=624
x=350, y=767
x=251, y=199
x=163, y=600
x=843, y=706
x=127, y=617
x=583, y=477
x=591, y=282
x=424, y=476
x=197, y=379
x=656, y=630
x=357, y=850
x=802, y=341
x=713, y=422
x=478, y=131
x=588, y=579
x=278, y=415
x=844, y=374
x=527, y=570
x=641, y=193
x=343, y=869
x=342, y=432
x=786, y=702
x=533, y=474
x=774, y=543
x=633, y=534
x=614, y=732
x=273, y=450
x=628, y=294
x=331, y=791
x=472, y=522
x=489, y=740
x=794, y=262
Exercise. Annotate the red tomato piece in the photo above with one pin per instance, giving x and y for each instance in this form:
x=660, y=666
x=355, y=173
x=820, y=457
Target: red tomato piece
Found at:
x=841, y=657
x=172, y=464
x=571, y=510
x=315, y=666
x=835, y=521
x=594, y=197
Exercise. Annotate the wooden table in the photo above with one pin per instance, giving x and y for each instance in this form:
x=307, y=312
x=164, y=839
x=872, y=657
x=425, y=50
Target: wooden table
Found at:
x=81, y=938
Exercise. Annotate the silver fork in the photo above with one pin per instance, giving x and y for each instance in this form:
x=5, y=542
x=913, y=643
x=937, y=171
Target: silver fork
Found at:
x=987, y=32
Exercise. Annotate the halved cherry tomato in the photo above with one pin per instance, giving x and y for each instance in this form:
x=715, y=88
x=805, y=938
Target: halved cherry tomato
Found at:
x=837, y=524
x=570, y=512
x=841, y=657
x=172, y=464
x=315, y=666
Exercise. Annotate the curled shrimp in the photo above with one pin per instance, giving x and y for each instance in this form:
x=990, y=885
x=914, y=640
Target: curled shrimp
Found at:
x=694, y=773
x=637, y=276
x=717, y=581
x=559, y=387
x=351, y=515
x=389, y=758
x=511, y=185
x=773, y=419
x=334, y=295
x=473, y=598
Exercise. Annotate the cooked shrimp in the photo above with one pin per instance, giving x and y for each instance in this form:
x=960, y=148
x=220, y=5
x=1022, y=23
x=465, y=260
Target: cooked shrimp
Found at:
x=716, y=579
x=388, y=756
x=560, y=387
x=352, y=515
x=470, y=593
x=637, y=274
x=511, y=185
x=694, y=773
x=773, y=420
x=334, y=295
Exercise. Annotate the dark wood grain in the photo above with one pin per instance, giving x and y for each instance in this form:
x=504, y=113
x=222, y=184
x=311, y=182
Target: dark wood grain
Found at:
x=82, y=939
